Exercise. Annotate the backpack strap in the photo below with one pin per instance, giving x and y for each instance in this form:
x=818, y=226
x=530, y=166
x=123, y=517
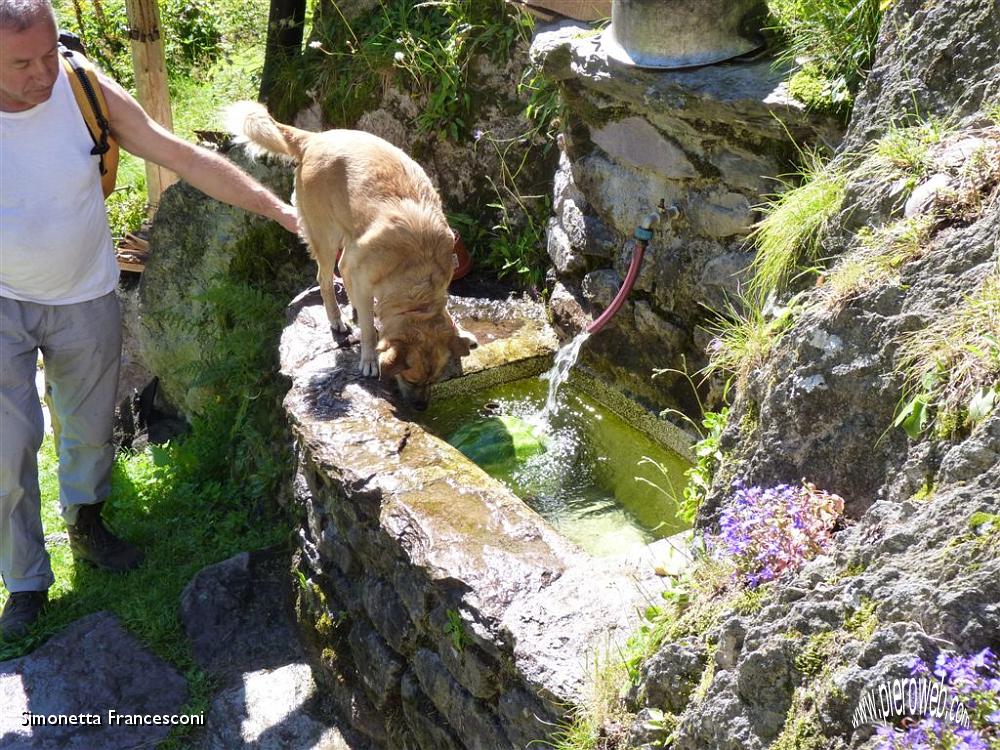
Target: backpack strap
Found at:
x=93, y=106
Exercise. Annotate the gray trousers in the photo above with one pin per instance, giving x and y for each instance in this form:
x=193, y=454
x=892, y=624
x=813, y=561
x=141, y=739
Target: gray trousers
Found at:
x=81, y=352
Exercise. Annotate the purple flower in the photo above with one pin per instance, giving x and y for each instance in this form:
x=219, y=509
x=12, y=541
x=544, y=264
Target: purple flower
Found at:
x=769, y=531
x=977, y=680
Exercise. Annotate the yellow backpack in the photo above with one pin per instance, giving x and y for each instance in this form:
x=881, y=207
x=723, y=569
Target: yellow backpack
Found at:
x=90, y=99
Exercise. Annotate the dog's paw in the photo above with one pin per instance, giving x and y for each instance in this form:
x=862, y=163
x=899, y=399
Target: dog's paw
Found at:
x=369, y=364
x=339, y=328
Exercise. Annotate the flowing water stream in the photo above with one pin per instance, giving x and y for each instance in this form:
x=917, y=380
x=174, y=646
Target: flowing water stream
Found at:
x=566, y=357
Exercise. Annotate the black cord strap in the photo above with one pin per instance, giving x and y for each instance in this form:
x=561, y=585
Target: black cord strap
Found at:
x=101, y=145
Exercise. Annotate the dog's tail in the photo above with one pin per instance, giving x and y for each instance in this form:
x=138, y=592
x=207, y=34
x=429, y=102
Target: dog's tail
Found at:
x=265, y=134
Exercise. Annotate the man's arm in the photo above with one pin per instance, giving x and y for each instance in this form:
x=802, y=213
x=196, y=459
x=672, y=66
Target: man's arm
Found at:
x=206, y=170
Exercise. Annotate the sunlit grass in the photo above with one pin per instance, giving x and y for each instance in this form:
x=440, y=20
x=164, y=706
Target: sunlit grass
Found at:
x=790, y=234
x=878, y=257
x=953, y=365
x=743, y=338
x=905, y=150
x=181, y=525
x=197, y=102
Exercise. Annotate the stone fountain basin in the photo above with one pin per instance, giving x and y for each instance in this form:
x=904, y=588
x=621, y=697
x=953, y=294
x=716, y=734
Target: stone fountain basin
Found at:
x=461, y=597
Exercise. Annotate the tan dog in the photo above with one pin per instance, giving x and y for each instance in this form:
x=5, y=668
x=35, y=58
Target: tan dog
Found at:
x=358, y=192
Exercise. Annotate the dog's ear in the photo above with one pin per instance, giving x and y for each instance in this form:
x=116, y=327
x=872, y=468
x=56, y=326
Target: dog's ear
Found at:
x=391, y=358
x=462, y=343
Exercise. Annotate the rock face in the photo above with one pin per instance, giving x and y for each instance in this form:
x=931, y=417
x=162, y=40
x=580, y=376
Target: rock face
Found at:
x=909, y=576
x=909, y=579
x=710, y=141
x=446, y=614
x=92, y=668
x=919, y=70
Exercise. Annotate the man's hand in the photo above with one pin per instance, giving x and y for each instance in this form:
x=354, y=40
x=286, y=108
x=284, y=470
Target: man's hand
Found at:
x=204, y=169
x=289, y=218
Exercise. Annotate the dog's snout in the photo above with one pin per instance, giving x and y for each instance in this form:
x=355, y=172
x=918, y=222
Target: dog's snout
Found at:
x=416, y=396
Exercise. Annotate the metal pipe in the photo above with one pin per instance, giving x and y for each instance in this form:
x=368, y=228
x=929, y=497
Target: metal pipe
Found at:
x=643, y=234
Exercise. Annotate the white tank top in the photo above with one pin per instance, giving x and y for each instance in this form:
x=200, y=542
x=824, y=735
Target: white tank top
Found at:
x=55, y=245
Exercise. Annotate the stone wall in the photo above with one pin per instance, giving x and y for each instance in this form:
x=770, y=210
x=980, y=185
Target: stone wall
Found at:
x=443, y=611
x=711, y=141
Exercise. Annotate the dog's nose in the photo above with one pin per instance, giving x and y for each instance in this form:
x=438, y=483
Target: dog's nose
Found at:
x=420, y=405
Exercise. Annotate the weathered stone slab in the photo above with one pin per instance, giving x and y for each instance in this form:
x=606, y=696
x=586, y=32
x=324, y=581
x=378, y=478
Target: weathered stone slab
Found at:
x=238, y=615
x=268, y=711
x=636, y=142
x=96, y=673
x=426, y=724
x=471, y=721
x=380, y=669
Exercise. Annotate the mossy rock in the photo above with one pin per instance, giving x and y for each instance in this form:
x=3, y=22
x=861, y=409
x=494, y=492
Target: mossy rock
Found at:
x=199, y=249
x=498, y=442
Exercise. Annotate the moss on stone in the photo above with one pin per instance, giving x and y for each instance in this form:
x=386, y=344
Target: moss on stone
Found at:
x=813, y=89
x=707, y=676
x=819, y=648
x=862, y=623
x=267, y=256
x=853, y=570
x=801, y=732
x=925, y=493
x=324, y=625
x=750, y=419
x=750, y=601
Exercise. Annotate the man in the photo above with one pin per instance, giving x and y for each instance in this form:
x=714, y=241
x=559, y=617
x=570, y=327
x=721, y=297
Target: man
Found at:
x=58, y=276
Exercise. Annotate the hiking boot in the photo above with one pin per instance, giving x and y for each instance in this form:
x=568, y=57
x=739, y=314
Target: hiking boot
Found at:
x=92, y=542
x=20, y=613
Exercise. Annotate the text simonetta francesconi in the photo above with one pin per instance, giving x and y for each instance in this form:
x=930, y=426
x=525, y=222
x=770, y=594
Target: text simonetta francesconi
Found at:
x=111, y=717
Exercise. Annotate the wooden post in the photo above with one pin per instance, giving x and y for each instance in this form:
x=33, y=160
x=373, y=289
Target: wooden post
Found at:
x=150, y=67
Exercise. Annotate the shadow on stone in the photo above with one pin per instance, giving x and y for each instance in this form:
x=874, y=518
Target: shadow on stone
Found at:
x=97, y=676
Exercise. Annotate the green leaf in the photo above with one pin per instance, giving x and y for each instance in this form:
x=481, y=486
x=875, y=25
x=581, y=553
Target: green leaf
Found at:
x=913, y=417
x=160, y=456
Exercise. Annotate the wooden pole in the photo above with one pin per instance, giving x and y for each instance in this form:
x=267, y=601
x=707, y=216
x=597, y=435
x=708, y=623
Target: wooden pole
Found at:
x=150, y=67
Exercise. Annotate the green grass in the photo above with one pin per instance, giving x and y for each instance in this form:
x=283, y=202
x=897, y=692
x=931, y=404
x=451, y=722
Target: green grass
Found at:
x=182, y=524
x=197, y=101
x=904, y=150
x=952, y=367
x=744, y=337
x=788, y=238
x=878, y=257
x=837, y=38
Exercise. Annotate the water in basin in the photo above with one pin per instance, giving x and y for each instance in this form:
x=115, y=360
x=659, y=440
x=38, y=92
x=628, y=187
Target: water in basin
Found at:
x=582, y=467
